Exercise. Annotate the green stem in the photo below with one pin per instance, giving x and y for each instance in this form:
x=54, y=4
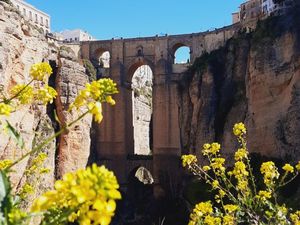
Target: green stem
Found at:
x=229, y=194
x=287, y=182
x=252, y=176
x=6, y=101
x=48, y=140
x=244, y=146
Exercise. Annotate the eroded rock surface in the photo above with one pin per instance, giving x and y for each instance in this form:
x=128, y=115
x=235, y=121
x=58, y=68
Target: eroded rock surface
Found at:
x=74, y=145
x=22, y=45
x=254, y=79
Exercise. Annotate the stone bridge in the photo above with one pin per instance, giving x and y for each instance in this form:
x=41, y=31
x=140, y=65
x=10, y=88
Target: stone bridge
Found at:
x=113, y=140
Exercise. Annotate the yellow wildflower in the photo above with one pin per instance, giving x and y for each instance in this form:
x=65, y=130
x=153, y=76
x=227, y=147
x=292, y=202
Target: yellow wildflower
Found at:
x=206, y=149
x=206, y=146
x=73, y=216
x=215, y=184
x=96, y=110
x=240, y=170
x=239, y=129
x=93, y=95
x=218, y=164
x=288, y=168
x=187, y=160
x=218, y=198
x=282, y=210
x=202, y=209
x=240, y=154
x=24, y=93
x=5, y=163
x=298, y=166
x=270, y=172
x=87, y=196
x=5, y=109
x=230, y=208
x=211, y=220
x=44, y=170
x=16, y=216
x=40, y=71
x=26, y=190
x=36, y=163
x=213, y=148
x=222, y=193
x=228, y=220
x=264, y=195
x=243, y=186
x=295, y=217
x=110, y=100
x=46, y=94
x=206, y=168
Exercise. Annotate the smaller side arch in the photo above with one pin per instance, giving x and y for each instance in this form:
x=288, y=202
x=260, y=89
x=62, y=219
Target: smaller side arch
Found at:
x=98, y=53
x=100, y=58
x=186, y=52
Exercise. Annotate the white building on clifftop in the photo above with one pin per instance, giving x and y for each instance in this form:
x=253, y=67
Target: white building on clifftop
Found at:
x=270, y=7
x=36, y=16
x=76, y=36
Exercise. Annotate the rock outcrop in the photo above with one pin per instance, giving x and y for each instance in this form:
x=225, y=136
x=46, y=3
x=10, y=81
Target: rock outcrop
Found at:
x=74, y=145
x=255, y=78
x=22, y=45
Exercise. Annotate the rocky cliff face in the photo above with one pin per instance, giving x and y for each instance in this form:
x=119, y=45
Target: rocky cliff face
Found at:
x=255, y=79
x=22, y=45
x=74, y=145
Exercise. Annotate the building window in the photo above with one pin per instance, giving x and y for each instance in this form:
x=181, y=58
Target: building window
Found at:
x=18, y=7
x=76, y=39
x=36, y=18
x=47, y=23
x=24, y=11
x=42, y=21
x=30, y=15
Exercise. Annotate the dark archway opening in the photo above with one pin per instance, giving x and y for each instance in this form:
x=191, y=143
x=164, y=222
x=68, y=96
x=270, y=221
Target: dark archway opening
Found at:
x=101, y=62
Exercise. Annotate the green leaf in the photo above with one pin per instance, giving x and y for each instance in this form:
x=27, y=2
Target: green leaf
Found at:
x=15, y=135
x=56, y=117
x=4, y=186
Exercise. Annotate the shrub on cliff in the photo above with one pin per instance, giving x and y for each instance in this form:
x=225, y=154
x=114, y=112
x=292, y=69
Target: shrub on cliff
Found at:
x=90, y=69
x=85, y=197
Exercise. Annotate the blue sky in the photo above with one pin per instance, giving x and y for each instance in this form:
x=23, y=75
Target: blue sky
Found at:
x=137, y=18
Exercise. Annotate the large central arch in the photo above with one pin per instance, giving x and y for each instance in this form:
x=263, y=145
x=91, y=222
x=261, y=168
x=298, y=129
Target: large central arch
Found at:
x=142, y=109
x=131, y=120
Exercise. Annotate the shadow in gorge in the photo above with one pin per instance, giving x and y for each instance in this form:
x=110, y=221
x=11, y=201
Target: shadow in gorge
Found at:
x=139, y=206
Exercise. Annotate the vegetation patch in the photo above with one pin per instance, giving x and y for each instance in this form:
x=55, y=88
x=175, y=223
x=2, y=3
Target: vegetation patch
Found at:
x=90, y=69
